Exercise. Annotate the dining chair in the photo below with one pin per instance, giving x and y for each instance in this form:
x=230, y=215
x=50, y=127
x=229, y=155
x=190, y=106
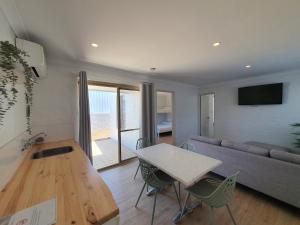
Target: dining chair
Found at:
x=158, y=180
x=214, y=193
x=188, y=146
x=141, y=143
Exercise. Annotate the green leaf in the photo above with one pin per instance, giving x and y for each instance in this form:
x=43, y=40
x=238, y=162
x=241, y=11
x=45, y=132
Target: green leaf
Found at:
x=10, y=55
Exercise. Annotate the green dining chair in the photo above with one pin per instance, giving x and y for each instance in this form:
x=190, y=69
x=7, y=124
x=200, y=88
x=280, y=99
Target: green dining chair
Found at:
x=141, y=143
x=214, y=193
x=156, y=179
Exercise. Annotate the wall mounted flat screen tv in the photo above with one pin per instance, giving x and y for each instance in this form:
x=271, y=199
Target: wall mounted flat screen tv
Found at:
x=269, y=94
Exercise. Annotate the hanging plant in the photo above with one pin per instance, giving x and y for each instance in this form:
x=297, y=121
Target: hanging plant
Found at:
x=10, y=56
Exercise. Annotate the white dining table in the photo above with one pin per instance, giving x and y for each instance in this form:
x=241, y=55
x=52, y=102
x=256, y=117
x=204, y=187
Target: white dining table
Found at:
x=185, y=166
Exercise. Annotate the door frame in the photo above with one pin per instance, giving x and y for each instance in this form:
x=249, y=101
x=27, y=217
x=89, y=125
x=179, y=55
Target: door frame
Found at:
x=173, y=114
x=203, y=94
x=119, y=87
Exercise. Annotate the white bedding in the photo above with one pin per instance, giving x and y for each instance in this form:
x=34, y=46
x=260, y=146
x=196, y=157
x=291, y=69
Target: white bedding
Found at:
x=164, y=127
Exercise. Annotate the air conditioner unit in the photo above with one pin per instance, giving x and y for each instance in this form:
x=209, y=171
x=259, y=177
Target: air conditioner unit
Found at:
x=36, y=57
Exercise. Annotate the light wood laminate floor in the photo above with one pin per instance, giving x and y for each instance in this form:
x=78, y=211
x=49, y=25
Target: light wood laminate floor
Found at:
x=249, y=207
x=168, y=139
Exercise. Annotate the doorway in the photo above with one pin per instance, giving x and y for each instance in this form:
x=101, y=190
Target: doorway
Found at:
x=164, y=117
x=114, y=114
x=207, y=114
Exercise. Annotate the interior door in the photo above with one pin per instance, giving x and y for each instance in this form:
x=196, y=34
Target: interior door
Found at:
x=207, y=115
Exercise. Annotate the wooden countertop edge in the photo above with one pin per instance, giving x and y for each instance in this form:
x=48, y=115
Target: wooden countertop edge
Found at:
x=114, y=212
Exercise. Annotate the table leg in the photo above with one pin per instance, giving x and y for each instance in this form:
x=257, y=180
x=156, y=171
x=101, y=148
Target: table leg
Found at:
x=151, y=191
x=185, y=210
x=179, y=190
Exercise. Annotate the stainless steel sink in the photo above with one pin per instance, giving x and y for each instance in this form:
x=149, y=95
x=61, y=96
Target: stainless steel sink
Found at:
x=52, y=152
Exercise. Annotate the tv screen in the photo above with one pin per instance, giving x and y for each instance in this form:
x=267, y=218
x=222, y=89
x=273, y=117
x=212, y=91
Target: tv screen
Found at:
x=268, y=94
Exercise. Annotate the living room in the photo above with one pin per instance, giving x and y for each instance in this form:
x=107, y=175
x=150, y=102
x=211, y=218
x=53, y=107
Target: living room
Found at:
x=161, y=112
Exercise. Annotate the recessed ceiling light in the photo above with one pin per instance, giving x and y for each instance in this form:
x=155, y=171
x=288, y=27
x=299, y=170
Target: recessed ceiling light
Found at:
x=94, y=45
x=248, y=66
x=216, y=44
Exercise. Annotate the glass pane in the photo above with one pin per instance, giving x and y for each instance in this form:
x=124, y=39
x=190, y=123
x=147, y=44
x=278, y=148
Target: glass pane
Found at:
x=104, y=132
x=130, y=122
x=128, y=140
x=130, y=111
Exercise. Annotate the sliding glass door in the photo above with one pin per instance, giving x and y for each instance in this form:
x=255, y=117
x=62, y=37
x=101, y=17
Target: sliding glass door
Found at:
x=129, y=122
x=114, y=113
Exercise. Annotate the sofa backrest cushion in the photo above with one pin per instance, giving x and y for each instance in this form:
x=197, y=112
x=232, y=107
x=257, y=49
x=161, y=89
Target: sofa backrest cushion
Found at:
x=208, y=140
x=268, y=146
x=245, y=148
x=285, y=156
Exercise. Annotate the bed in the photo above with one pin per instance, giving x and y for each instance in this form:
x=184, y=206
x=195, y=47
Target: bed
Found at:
x=163, y=127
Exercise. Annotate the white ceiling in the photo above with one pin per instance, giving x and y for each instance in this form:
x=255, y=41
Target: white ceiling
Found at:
x=175, y=36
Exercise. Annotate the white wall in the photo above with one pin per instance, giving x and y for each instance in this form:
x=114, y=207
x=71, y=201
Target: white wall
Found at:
x=266, y=123
x=13, y=129
x=55, y=104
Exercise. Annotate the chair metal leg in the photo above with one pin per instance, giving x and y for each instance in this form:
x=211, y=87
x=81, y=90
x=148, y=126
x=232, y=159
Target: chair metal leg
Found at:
x=177, y=196
x=212, y=222
x=230, y=213
x=137, y=170
x=140, y=195
x=153, y=211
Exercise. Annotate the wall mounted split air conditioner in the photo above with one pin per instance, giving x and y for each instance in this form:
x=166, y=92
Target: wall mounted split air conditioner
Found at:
x=36, y=59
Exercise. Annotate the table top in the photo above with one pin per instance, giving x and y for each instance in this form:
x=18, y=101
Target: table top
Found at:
x=183, y=165
x=82, y=196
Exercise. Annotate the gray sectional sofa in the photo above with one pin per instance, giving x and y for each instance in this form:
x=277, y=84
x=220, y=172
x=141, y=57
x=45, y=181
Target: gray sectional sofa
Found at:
x=270, y=169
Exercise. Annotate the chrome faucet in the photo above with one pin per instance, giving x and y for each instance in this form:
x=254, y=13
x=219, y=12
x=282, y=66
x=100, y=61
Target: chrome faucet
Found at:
x=36, y=139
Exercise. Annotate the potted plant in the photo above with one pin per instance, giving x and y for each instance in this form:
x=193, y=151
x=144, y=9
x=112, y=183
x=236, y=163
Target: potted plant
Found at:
x=10, y=58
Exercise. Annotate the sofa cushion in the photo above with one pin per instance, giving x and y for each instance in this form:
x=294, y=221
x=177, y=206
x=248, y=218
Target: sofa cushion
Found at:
x=285, y=156
x=245, y=148
x=234, y=145
x=208, y=140
x=258, y=151
x=268, y=146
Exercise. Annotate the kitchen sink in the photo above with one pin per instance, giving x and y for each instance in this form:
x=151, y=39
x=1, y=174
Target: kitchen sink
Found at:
x=52, y=152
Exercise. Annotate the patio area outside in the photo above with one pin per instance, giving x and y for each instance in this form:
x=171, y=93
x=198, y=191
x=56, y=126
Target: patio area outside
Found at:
x=104, y=132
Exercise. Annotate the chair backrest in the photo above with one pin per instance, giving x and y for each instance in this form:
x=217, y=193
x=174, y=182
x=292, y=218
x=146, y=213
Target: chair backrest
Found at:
x=142, y=143
x=148, y=174
x=188, y=146
x=224, y=192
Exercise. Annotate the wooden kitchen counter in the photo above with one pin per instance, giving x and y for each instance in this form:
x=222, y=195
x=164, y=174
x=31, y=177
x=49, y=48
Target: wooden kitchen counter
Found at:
x=82, y=196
